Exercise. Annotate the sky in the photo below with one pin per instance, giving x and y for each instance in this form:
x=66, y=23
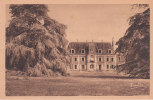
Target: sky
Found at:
x=97, y=22
x=91, y=22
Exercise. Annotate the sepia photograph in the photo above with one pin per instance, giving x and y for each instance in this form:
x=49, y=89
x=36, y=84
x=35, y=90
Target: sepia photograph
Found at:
x=77, y=50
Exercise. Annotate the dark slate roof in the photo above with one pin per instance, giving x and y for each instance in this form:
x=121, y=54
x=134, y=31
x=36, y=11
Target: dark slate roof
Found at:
x=90, y=46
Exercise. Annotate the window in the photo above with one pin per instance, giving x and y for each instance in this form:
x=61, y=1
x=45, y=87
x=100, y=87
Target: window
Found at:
x=91, y=66
x=119, y=58
x=75, y=59
x=99, y=59
x=82, y=51
x=82, y=58
x=109, y=51
x=72, y=51
x=92, y=58
x=107, y=59
x=99, y=67
x=91, y=50
x=107, y=66
x=83, y=67
x=100, y=51
x=112, y=67
x=112, y=59
x=75, y=66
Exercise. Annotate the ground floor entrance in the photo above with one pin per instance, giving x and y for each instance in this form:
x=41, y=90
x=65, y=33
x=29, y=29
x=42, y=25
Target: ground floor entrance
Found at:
x=99, y=67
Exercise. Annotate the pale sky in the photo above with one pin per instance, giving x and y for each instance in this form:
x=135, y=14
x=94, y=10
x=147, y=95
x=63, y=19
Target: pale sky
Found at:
x=97, y=22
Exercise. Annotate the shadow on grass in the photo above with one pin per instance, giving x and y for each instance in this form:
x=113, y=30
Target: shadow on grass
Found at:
x=104, y=77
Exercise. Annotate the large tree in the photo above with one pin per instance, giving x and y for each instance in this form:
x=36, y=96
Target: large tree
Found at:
x=35, y=43
x=135, y=45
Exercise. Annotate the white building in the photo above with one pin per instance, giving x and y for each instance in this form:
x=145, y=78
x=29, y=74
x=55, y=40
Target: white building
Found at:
x=93, y=56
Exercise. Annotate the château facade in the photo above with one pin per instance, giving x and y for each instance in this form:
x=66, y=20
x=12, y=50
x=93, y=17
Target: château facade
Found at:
x=94, y=56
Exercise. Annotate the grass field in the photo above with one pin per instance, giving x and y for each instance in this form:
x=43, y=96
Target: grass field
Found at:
x=78, y=84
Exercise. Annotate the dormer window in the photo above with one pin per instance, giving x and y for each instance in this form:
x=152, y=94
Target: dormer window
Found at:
x=109, y=51
x=82, y=51
x=99, y=51
x=72, y=51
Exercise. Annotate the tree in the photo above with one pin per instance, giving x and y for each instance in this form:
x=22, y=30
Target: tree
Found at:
x=35, y=43
x=135, y=45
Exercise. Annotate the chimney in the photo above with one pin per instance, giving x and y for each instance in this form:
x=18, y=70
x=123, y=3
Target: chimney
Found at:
x=113, y=42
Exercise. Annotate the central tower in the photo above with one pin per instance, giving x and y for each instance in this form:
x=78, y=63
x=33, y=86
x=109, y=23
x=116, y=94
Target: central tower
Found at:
x=91, y=60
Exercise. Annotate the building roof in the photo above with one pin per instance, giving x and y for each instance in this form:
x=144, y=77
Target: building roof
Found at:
x=90, y=47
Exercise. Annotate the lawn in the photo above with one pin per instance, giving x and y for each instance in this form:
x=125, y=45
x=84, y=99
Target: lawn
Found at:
x=78, y=84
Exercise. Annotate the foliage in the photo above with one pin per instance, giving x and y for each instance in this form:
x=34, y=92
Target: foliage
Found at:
x=135, y=45
x=35, y=43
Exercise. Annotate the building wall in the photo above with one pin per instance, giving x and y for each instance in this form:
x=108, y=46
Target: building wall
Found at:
x=104, y=63
x=77, y=61
x=93, y=51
